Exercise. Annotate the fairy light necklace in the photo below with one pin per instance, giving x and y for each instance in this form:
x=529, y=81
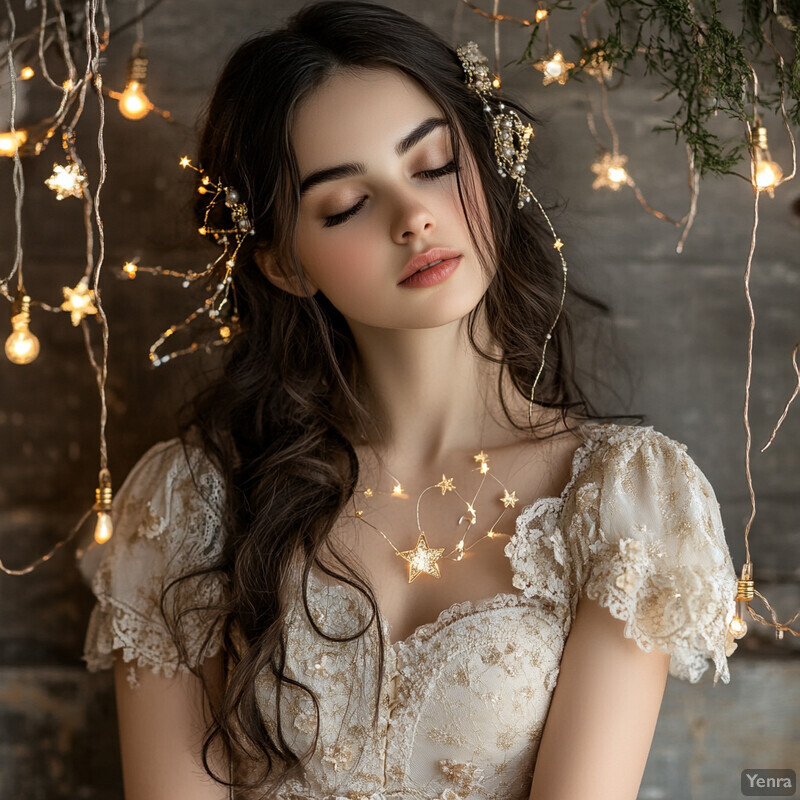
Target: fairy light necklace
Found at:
x=422, y=558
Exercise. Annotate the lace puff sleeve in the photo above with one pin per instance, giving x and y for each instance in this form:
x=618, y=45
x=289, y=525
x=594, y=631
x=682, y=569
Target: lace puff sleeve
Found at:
x=163, y=528
x=655, y=552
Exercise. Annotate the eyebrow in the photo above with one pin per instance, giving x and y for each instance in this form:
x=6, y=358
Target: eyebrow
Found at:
x=358, y=168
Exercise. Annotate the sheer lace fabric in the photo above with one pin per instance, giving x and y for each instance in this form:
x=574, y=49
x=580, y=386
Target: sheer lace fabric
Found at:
x=464, y=698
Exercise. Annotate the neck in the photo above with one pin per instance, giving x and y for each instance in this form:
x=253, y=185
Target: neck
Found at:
x=433, y=398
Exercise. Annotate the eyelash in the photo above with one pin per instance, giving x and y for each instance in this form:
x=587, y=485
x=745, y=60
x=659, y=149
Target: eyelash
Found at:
x=430, y=174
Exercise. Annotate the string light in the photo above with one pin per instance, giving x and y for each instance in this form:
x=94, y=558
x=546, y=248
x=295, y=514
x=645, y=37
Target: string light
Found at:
x=10, y=142
x=26, y=73
x=611, y=172
x=79, y=302
x=767, y=174
x=22, y=346
x=104, y=528
x=597, y=63
x=423, y=558
x=541, y=15
x=744, y=594
x=69, y=181
x=554, y=69
x=230, y=239
x=133, y=102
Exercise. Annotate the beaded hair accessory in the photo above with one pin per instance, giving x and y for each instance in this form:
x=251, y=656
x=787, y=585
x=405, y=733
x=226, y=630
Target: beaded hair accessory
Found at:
x=511, y=141
x=230, y=238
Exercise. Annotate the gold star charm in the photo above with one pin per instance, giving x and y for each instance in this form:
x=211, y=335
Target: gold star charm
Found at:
x=446, y=484
x=509, y=499
x=554, y=69
x=481, y=457
x=558, y=245
x=79, y=302
x=422, y=559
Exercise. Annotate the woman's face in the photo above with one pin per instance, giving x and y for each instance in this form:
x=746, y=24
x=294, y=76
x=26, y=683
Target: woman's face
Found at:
x=358, y=229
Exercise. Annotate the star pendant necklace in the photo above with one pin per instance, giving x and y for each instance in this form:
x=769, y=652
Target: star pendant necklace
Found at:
x=422, y=558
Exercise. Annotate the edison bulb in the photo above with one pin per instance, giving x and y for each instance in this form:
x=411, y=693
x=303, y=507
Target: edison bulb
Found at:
x=738, y=626
x=104, y=528
x=22, y=346
x=768, y=175
x=133, y=103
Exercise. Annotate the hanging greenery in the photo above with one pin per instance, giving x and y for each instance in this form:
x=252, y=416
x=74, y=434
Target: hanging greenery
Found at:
x=706, y=58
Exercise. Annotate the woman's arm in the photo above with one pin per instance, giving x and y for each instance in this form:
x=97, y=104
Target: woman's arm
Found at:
x=160, y=730
x=603, y=713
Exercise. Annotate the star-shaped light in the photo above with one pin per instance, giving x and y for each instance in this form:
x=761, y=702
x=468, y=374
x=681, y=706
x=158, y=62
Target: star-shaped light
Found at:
x=554, y=69
x=509, y=499
x=558, y=245
x=597, y=64
x=185, y=161
x=446, y=484
x=611, y=172
x=481, y=457
x=79, y=302
x=422, y=559
x=67, y=181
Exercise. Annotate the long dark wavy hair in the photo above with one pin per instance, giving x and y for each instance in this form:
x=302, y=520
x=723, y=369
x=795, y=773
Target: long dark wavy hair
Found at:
x=277, y=421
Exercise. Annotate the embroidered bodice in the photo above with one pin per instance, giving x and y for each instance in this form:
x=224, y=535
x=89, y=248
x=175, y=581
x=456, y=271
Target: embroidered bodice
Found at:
x=464, y=698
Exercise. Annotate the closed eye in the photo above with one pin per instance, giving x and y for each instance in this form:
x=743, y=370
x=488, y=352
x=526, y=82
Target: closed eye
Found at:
x=430, y=174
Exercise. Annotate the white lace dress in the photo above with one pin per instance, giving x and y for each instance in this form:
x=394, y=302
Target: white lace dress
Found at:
x=465, y=698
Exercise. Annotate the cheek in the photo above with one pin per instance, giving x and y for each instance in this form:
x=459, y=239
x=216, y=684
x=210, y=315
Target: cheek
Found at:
x=336, y=260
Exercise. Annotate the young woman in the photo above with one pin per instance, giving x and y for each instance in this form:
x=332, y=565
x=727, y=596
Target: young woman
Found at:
x=274, y=615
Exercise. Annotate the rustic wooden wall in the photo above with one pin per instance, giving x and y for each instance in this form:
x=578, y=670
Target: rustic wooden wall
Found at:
x=679, y=333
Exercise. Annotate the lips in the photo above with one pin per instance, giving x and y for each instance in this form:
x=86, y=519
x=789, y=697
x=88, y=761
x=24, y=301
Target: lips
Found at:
x=425, y=259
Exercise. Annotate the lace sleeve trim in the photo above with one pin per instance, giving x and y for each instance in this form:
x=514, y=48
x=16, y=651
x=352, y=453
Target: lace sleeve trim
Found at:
x=162, y=529
x=660, y=562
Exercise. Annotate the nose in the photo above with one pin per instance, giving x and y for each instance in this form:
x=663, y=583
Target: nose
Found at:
x=411, y=218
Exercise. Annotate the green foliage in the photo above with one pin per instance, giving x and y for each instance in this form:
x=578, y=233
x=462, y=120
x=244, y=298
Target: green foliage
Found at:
x=703, y=59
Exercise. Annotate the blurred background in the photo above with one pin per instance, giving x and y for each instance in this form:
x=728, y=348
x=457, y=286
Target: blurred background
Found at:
x=674, y=349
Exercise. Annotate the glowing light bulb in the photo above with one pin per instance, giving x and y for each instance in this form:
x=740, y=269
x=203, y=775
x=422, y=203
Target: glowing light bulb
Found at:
x=738, y=626
x=554, y=69
x=22, y=346
x=617, y=175
x=496, y=82
x=67, y=181
x=104, y=529
x=768, y=175
x=541, y=14
x=133, y=104
x=130, y=269
x=26, y=73
x=397, y=489
x=611, y=172
x=9, y=142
